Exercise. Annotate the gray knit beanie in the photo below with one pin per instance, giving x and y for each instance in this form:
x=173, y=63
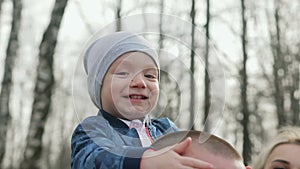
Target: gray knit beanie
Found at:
x=104, y=51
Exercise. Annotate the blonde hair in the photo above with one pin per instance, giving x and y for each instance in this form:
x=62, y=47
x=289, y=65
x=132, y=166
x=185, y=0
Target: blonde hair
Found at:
x=286, y=135
x=211, y=142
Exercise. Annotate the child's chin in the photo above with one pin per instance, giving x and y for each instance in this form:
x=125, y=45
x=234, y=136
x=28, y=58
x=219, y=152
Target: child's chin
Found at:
x=140, y=110
x=136, y=115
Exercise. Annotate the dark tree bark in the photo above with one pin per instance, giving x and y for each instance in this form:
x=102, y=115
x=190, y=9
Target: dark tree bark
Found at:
x=192, y=65
x=295, y=101
x=161, y=33
x=1, y=1
x=11, y=54
x=174, y=92
x=244, y=84
x=118, y=15
x=206, y=78
x=278, y=70
x=43, y=89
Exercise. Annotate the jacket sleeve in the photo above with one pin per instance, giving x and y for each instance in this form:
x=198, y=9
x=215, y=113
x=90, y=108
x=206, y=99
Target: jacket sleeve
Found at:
x=93, y=148
x=163, y=126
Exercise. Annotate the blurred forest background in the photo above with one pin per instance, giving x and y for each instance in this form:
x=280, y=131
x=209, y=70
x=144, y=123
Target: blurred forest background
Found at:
x=44, y=96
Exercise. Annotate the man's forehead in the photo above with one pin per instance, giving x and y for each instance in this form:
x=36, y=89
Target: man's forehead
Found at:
x=227, y=164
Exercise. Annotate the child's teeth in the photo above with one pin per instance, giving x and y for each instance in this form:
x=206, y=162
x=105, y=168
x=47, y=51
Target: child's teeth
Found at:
x=136, y=97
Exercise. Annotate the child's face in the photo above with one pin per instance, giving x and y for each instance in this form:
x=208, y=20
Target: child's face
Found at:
x=130, y=87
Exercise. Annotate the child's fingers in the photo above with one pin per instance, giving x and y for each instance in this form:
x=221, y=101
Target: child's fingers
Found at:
x=181, y=147
x=188, y=161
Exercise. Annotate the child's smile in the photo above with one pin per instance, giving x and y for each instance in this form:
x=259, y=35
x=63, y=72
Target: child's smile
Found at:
x=137, y=97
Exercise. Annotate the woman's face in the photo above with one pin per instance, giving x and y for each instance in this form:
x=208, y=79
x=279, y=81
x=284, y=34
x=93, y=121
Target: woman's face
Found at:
x=284, y=156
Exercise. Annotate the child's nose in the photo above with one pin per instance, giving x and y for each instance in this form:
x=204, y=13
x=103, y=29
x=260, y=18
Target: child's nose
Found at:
x=138, y=81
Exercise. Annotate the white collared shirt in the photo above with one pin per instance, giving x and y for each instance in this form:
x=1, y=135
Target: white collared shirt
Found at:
x=141, y=130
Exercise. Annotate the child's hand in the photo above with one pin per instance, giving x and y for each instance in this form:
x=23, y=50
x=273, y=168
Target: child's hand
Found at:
x=170, y=157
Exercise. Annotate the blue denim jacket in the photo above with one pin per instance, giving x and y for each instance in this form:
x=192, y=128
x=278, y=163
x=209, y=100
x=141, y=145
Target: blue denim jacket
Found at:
x=105, y=142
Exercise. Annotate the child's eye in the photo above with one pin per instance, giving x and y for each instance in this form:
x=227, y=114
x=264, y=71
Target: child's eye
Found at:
x=122, y=73
x=150, y=76
x=280, y=167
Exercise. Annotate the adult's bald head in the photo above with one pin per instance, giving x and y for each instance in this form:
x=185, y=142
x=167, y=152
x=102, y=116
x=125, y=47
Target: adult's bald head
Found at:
x=206, y=147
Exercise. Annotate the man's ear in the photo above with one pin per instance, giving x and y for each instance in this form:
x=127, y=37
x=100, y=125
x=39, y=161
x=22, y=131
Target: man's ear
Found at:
x=248, y=167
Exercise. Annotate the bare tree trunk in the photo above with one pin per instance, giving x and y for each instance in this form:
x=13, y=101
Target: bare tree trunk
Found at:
x=1, y=1
x=244, y=84
x=11, y=54
x=64, y=161
x=294, y=100
x=118, y=16
x=278, y=71
x=161, y=33
x=192, y=66
x=43, y=89
x=206, y=78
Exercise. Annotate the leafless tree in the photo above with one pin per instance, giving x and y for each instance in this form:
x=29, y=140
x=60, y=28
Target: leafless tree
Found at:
x=43, y=88
x=11, y=54
x=244, y=84
x=161, y=33
x=1, y=1
x=294, y=99
x=206, y=78
x=278, y=68
x=192, y=64
x=118, y=15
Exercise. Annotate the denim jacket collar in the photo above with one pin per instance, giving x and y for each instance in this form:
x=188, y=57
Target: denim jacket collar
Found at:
x=116, y=123
x=131, y=136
